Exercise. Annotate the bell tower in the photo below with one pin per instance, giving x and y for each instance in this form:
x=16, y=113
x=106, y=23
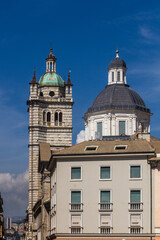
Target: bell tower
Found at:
x=50, y=120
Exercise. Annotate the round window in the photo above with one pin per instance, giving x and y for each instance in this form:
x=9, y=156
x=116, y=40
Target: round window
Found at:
x=51, y=93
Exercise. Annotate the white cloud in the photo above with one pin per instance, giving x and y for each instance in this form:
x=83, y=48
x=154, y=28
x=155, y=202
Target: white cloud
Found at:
x=14, y=190
x=148, y=35
x=80, y=136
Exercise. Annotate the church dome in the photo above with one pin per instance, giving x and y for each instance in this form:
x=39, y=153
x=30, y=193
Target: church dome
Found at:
x=51, y=78
x=117, y=63
x=118, y=97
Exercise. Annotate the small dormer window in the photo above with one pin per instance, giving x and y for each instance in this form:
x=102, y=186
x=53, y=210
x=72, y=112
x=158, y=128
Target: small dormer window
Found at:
x=91, y=148
x=118, y=76
x=120, y=147
x=112, y=76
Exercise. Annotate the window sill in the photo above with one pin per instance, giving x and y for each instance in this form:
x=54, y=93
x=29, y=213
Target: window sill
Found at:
x=105, y=179
x=105, y=210
x=135, y=179
x=76, y=210
x=76, y=180
x=135, y=210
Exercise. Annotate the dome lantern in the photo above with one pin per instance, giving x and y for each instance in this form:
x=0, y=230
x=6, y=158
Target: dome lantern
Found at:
x=51, y=62
x=117, y=70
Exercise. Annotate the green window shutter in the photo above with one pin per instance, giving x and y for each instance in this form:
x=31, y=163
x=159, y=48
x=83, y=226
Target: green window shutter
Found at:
x=135, y=196
x=75, y=197
x=99, y=130
x=121, y=127
x=135, y=172
x=75, y=173
x=105, y=172
x=105, y=197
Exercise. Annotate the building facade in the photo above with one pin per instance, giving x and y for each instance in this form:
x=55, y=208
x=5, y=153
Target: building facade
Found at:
x=107, y=190
x=50, y=121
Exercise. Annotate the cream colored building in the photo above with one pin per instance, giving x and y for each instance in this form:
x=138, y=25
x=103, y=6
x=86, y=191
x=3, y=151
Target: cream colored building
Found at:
x=105, y=189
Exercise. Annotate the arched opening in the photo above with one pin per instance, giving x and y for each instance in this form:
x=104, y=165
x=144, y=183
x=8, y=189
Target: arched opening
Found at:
x=48, y=118
x=68, y=90
x=118, y=76
x=44, y=118
x=112, y=76
x=50, y=66
x=56, y=119
x=60, y=119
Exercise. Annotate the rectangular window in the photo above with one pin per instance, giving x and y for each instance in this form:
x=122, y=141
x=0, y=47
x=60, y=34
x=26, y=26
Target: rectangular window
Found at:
x=118, y=76
x=121, y=127
x=76, y=220
x=99, y=130
x=112, y=76
x=76, y=223
x=135, y=196
x=76, y=204
x=106, y=220
x=105, y=223
x=135, y=171
x=105, y=173
x=136, y=223
x=105, y=197
x=76, y=197
x=76, y=173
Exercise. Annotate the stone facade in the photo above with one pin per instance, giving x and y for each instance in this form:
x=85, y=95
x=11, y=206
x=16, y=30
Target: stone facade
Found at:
x=50, y=120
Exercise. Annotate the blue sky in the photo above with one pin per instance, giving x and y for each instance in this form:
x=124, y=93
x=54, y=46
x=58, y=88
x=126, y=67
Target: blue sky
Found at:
x=84, y=37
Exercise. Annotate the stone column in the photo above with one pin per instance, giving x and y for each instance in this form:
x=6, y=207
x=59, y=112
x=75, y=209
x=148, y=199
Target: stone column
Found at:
x=113, y=126
x=105, y=125
x=130, y=126
x=109, y=124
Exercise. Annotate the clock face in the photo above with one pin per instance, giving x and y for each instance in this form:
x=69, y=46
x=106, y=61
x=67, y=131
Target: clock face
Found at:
x=51, y=93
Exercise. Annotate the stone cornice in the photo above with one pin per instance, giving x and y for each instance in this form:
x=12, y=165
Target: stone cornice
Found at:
x=37, y=102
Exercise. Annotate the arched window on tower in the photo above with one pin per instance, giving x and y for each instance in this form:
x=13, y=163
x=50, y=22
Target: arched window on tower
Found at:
x=56, y=119
x=44, y=118
x=68, y=89
x=118, y=76
x=112, y=76
x=48, y=118
x=60, y=119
